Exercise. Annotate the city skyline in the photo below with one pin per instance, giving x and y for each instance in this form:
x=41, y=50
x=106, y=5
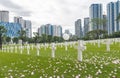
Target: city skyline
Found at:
x=58, y=12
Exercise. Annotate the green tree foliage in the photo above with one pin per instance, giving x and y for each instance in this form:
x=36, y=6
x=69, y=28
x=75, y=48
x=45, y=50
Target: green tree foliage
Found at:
x=95, y=34
x=8, y=39
x=98, y=21
x=36, y=37
x=2, y=32
x=22, y=35
x=15, y=40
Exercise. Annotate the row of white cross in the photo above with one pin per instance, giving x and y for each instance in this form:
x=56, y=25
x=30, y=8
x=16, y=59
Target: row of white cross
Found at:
x=19, y=48
x=81, y=47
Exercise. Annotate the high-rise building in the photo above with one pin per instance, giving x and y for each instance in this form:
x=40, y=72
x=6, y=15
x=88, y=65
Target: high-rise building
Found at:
x=110, y=17
x=12, y=28
x=28, y=28
x=42, y=30
x=95, y=12
x=105, y=28
x=59, y=30
x=78, y=28
x=117, y=12
x=25, y=24
x=113, y=10
x=20, y=20
x=54, y=30
x=49, y=29
x=4, y=16
x=86, y=25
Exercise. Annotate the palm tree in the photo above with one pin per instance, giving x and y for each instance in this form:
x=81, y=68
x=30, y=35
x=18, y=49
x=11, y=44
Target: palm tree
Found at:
x=2, y=32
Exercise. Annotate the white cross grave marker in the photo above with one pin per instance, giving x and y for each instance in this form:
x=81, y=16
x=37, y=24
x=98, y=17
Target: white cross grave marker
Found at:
x=53, y=50
x=80, y=49
x=28, y=49
x=38, y=48
x=108, y=45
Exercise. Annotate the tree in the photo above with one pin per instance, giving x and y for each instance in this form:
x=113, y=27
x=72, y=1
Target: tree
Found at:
x=15, y=40
x=22, y=35
x=44, y=38
x=8, y=39
x=36, y=37
x=98, y=22
x=2, y=32
x=4, y=38
x=95, y=34
x=50, y=38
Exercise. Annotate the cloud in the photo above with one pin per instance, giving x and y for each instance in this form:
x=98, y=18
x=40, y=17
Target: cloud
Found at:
x=11, y=6
x=60, y=12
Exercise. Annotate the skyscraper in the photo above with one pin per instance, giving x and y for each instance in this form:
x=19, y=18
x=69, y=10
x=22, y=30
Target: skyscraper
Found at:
x=59, y=30
x=95, y=12
x=12, y=28
x=42, y=30
x=86, y=25
x=49, y=29
x=54, y=30
x=113, y=10
x=78, y=28
x=117, y=12
x=28, y=28
x=4, y=16
x=110, y=17
x=20, y=20
x=105, y=28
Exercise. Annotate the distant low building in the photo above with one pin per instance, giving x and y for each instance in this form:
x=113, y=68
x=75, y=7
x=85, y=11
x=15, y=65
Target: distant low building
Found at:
x=12, y=28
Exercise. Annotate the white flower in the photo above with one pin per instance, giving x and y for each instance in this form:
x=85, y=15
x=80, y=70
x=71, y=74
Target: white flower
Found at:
x=32, y=73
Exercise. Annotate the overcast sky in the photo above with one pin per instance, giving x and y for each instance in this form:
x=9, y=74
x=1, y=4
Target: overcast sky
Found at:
x=59, y=12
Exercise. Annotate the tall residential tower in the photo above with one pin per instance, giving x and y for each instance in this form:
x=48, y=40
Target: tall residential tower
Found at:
x=113, y=10
x=96, y=11
x=78, y=29
x=4, y=16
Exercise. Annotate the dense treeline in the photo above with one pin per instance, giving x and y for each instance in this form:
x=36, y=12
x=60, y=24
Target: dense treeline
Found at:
x=100, y=34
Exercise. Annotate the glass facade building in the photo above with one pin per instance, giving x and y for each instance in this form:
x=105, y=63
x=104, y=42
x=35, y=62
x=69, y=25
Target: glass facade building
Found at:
x=113, y=10
x=86, y=25
x=49, y=29
x=12, y=29
x=96, y=11
x=78, y=28
x=110, y=17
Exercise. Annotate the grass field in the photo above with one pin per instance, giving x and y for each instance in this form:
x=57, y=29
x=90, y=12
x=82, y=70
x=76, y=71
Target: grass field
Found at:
x=97, y=63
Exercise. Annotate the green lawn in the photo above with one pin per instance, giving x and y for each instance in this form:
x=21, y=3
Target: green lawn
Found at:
x=96, y=63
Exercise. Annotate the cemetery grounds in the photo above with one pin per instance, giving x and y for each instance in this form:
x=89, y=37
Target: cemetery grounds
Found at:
x=17, y=62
